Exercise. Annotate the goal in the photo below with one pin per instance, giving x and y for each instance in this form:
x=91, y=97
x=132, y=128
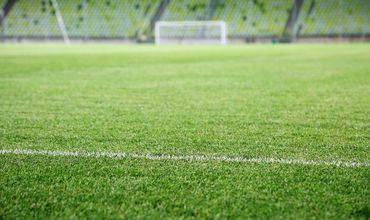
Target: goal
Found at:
x=190, y=32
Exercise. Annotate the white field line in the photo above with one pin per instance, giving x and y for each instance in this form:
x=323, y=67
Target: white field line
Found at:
x=123, y=155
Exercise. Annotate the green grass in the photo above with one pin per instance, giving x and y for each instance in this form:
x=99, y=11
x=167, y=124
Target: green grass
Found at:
x=283, y=101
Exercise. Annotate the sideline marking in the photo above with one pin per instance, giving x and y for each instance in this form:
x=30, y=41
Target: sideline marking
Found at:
x=122, y=155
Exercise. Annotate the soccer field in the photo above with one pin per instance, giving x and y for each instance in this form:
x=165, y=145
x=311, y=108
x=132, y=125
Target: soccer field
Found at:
x=140, y=131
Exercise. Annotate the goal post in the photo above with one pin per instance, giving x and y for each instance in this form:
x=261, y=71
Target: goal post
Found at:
x=190, y=32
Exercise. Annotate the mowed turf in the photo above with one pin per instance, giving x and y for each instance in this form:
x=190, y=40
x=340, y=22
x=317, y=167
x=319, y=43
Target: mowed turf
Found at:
x=304, y=102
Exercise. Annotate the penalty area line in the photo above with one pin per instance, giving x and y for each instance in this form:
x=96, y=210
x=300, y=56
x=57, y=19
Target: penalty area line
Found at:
x=148, y=156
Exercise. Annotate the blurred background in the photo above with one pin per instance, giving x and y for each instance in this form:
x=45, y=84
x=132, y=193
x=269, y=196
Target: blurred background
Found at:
x=134, y=20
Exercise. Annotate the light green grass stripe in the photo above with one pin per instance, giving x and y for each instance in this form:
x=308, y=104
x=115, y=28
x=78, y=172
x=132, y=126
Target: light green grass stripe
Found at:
x=123, y=155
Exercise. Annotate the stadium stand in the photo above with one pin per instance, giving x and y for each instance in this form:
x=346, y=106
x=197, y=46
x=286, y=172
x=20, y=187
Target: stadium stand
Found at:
x=350, y=17
x=133, y=19
x=2, y=3
x=244, y=18
x=118, y=18
x=93, y=18
x=256, y=18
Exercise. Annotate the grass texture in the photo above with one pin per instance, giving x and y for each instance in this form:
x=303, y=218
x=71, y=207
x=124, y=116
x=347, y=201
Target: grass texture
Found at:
x=309, y=102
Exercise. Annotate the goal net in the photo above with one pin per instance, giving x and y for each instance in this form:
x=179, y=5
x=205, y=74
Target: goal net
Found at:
x=190, y=32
